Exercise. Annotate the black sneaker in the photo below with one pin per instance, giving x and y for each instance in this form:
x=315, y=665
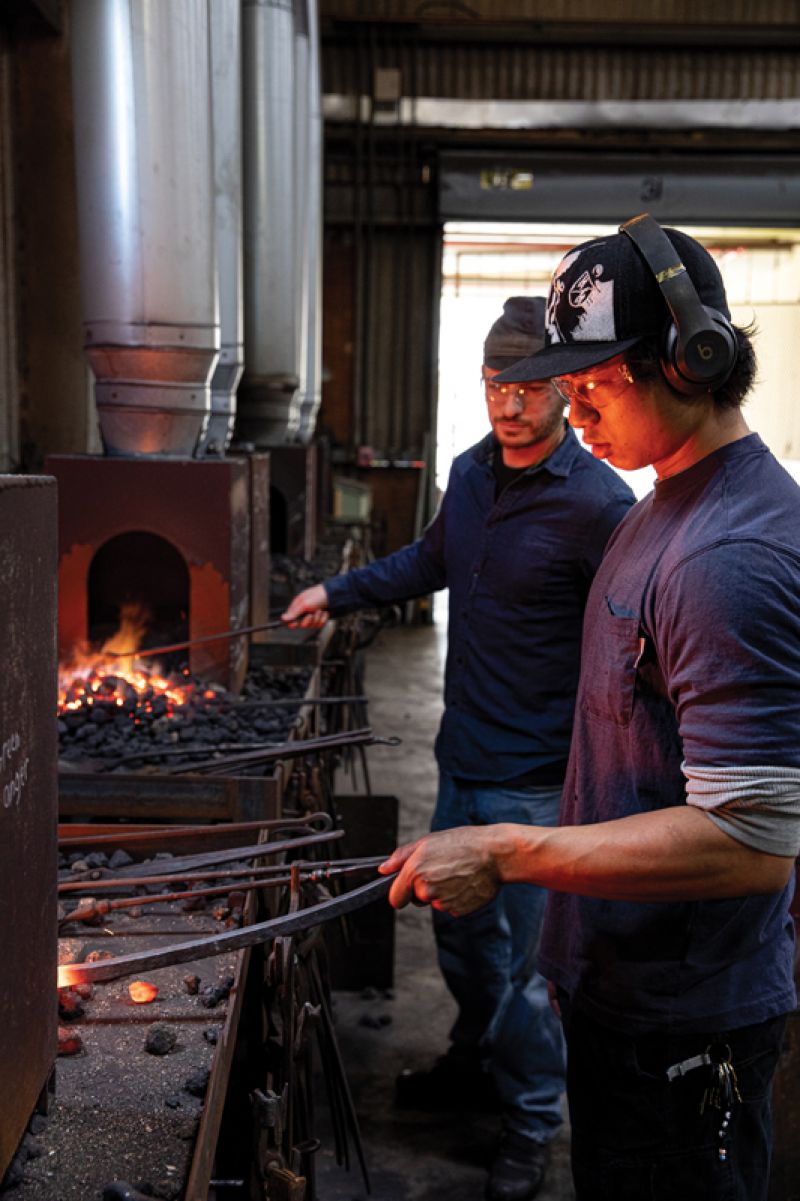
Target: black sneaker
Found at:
x=518, y=1170
x=451, y=1084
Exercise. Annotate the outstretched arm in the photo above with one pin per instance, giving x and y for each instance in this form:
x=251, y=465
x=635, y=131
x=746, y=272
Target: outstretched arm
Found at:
x=675, y=854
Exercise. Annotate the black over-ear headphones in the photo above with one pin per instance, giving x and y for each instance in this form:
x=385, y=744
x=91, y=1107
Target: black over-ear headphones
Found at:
x=699, y=348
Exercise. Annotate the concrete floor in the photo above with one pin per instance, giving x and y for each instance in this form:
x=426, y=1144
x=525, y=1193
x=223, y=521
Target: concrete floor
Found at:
x=410, y=1156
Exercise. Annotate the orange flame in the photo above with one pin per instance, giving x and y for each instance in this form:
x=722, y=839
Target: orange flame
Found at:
x=99, y=676
x=142, y=992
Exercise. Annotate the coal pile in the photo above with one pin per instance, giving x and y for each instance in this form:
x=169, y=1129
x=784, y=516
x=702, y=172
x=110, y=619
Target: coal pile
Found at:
x=119, y=727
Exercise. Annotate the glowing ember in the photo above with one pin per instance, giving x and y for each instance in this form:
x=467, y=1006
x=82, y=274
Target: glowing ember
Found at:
x=141, y=992
x=90, y=678
x=68, y=974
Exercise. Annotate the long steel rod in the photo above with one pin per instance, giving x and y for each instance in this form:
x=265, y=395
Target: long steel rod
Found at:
x=113, y=884
x=188, y=863
x=82, y=913
x=229, y=940
x=182, y=646
x=287, y=750
x=266, y=753
x=209, y=707
x=166, y=833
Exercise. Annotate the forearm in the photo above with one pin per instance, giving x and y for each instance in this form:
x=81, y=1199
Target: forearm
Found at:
x=670, y=855
x=405, y=574
x=675, y=854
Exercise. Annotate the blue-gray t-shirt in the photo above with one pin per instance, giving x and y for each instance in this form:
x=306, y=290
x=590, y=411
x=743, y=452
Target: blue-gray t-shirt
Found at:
x=691, y=651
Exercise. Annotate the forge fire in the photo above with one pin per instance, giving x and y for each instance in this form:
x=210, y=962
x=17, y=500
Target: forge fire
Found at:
x=128, y=712
x=113, y=678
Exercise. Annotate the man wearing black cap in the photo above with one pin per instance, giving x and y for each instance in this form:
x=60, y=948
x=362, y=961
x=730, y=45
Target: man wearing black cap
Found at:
x=517, y=539
x=668, y=936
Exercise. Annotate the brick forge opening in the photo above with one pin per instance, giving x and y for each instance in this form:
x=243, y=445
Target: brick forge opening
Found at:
x=145, y=571
x=172, y=534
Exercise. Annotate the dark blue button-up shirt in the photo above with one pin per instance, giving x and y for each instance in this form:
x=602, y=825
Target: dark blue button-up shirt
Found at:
x=518, y=570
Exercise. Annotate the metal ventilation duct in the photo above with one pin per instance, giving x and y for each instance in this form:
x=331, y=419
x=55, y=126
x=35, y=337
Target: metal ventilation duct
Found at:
x=312, y=262
x=141, y=87
x=226, y=92
x=301, y=170
x=267, y=412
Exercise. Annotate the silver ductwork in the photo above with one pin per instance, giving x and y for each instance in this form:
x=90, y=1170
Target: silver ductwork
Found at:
x=302, y=232
x=142, y=103
x=267, y=407
x=226, y=98
x=311, y=223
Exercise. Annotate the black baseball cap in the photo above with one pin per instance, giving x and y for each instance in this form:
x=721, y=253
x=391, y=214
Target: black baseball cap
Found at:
x=604, y=298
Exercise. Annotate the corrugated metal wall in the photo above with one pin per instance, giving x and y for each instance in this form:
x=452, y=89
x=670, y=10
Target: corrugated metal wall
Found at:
x=381, y=312
x=635, y=12
x=499, y=71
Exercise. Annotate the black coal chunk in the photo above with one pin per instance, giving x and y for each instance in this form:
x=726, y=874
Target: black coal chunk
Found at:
x=160, y=1039
x=197, y=1083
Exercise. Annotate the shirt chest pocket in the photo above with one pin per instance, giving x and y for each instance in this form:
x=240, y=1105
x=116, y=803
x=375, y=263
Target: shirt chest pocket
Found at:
x=611, y=650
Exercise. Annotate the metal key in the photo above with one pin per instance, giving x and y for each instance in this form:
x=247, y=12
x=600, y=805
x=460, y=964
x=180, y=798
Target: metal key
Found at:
x=722, y=1093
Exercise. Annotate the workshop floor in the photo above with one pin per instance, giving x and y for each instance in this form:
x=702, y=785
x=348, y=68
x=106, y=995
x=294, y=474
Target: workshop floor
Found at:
x=410, y=1156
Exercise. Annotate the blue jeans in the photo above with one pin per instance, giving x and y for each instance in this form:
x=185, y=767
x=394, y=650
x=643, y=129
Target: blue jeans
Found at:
x=488, y=960
x=638, y=1137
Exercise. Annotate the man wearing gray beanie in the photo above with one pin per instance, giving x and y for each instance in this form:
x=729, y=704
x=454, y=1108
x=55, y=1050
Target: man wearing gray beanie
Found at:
x=519, y=327
x=517, y=539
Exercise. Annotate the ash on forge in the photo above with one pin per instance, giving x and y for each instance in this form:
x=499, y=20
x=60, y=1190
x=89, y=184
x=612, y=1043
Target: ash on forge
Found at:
x=171, y=535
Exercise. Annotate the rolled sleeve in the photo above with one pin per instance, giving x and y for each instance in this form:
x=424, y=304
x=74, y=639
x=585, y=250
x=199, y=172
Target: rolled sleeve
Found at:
x=758, y=806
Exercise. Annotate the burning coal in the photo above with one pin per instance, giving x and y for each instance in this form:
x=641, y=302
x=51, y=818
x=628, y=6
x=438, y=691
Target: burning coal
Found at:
x=103, y=677
x=113, y=719
x=142, y=992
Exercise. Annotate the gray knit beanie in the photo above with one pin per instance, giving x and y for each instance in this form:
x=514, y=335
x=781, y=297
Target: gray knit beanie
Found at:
x=516, y=335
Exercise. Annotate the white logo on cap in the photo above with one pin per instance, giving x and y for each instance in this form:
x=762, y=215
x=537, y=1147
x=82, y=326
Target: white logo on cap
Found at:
x=590, y=315
x=586, y=288
x=584, y=310
x=551, y=323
